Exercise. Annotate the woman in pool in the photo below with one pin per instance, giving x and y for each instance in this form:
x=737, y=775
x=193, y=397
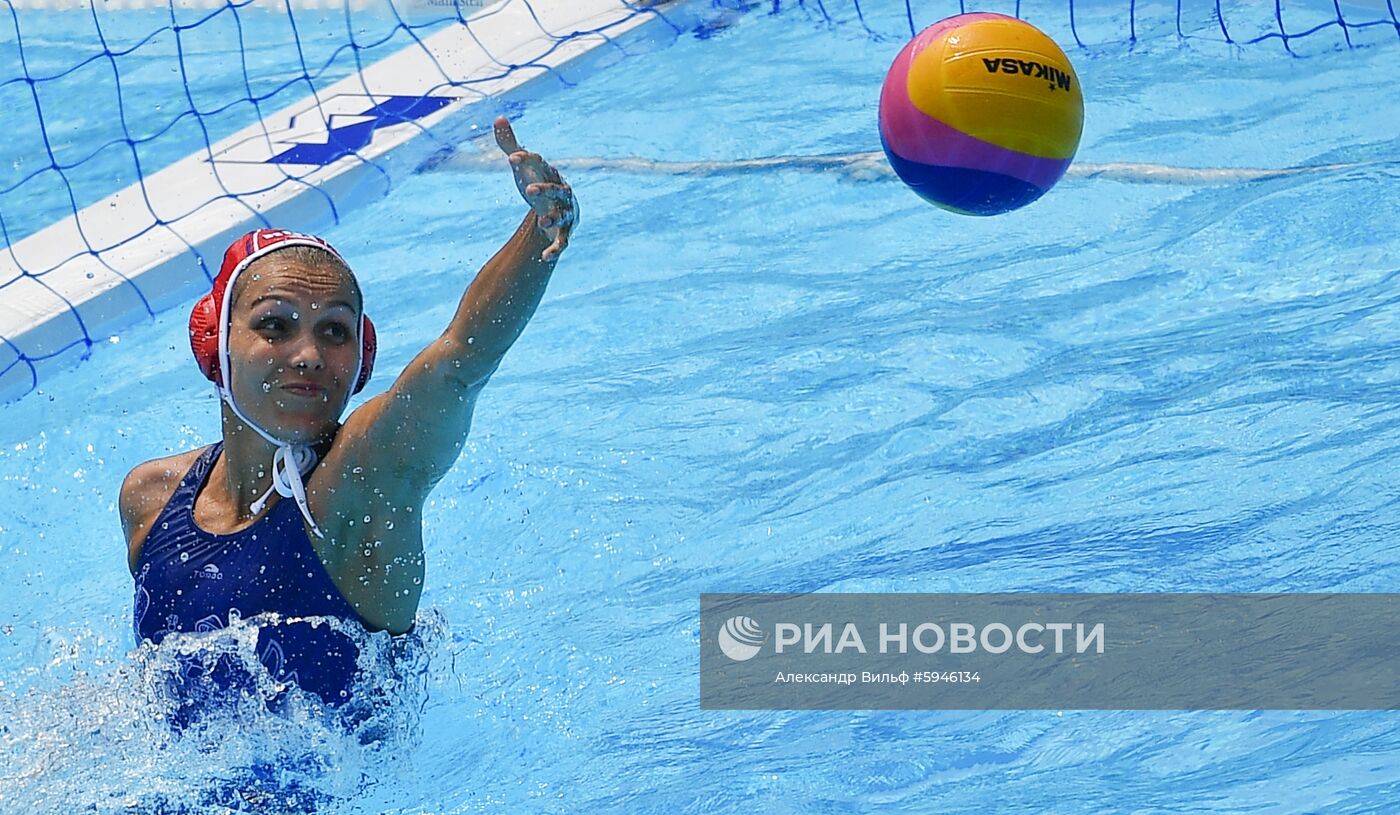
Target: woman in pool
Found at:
x=293, y=513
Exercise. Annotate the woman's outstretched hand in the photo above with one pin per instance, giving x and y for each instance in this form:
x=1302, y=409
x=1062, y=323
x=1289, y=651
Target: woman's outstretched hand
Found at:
x=543, y=189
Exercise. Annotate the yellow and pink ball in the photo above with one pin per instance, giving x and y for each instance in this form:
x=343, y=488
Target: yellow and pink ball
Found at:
x=981, y=114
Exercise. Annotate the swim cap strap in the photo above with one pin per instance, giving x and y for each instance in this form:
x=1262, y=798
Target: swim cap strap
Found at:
x=289, y=463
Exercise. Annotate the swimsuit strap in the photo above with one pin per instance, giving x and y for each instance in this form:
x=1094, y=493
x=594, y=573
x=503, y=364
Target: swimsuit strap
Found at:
x=183, y=498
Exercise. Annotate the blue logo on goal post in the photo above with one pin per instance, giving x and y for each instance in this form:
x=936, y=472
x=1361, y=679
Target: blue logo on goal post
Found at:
x=346, y=139
x=325, y=131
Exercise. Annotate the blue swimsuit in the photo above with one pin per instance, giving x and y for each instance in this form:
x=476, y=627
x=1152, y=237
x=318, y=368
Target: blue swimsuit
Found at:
x=188, y=580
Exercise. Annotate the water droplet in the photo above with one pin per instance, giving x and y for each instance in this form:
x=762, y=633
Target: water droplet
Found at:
x=417, y=581
x=388, y=524
x=358, y=470
x=471, y=340
x=296, y=315
x=368, y=552
x=366, y=519
x=267, y=387
x=184, y=556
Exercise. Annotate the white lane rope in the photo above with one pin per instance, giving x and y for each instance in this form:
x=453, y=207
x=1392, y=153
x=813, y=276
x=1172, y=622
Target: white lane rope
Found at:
x=871, y=166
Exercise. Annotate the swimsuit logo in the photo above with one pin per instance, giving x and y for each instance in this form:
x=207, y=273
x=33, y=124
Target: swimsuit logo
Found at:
x=741, y=638
x=209, y=572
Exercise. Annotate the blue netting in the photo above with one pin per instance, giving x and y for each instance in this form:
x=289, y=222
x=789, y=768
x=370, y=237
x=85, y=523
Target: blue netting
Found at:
x=1090, y=23
x=97, y=100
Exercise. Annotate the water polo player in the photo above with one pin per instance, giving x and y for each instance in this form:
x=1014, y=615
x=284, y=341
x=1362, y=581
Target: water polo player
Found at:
x=294, y=513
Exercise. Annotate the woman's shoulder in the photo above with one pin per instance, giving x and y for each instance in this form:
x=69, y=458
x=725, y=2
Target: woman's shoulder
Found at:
x=147, y=489
x=159, y=471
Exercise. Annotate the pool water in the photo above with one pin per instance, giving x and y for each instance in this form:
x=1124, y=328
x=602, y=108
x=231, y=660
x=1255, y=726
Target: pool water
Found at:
x=800, y=381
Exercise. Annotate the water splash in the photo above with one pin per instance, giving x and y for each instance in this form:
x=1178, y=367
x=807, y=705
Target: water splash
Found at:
x=266, y=746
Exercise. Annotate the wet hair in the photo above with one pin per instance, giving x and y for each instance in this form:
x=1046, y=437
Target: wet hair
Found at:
x=303, y=255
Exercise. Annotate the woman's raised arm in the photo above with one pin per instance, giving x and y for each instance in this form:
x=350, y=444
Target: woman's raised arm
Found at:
x=416, y=429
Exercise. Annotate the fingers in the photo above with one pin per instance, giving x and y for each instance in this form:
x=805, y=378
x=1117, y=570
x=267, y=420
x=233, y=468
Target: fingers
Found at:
x=522, y=160
x=553, y=204
x=556, y=213
x=534, y=168
x=543, y=197
x=561, y=242
x=552, y=192
x=505, y=137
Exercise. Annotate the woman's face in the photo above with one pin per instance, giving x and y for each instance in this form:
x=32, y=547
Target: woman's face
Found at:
x=294, y=339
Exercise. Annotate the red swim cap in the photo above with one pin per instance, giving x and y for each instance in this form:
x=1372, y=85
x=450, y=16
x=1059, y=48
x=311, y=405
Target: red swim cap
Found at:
x=207, y=319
